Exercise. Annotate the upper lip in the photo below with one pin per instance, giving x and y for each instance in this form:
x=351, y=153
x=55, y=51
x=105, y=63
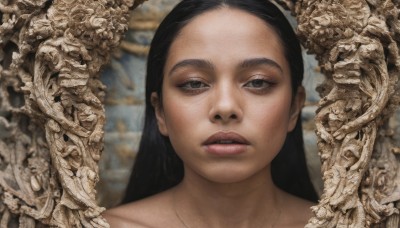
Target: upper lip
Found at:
x=225, y=136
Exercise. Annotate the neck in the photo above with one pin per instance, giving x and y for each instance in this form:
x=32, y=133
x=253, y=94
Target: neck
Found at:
x=249, y=203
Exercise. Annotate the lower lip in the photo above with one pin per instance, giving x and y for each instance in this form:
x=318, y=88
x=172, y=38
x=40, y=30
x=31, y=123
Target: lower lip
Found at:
x=226, y=149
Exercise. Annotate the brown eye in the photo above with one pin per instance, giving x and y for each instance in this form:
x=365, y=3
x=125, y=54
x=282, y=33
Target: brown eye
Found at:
x=193, y=85
x=258, y=84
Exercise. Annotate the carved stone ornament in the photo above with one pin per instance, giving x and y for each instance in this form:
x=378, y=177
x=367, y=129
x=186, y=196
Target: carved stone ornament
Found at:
x=51, y=108
x=52, y=113
x=356, y=43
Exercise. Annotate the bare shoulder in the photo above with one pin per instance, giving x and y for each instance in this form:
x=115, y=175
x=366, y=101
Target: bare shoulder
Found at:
x=150, y=212
x=295, y=211
x=117, y=220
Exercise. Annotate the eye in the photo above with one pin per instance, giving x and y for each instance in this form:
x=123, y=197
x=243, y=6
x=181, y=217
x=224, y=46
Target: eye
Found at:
x=258, y=84
x=193, y=86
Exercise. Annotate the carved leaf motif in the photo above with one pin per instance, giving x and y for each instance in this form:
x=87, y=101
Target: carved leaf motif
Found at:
x=51, y=108
x=356, y=43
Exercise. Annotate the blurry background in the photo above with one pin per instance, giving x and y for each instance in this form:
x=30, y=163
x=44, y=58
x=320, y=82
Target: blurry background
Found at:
x=125, y=81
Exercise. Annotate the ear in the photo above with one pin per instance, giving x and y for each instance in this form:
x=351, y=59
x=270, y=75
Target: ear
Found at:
x=156, y=103
x=295, y=109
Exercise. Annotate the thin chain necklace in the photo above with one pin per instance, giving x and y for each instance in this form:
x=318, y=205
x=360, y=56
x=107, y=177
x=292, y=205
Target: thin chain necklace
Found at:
x=179, y=217
x=186, y=226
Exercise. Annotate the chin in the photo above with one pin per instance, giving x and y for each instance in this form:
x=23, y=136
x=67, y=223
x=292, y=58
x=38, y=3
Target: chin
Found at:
x=230, y=175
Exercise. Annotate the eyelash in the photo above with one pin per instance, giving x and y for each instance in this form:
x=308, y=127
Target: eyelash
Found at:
x=188, y=86
x=265, y=84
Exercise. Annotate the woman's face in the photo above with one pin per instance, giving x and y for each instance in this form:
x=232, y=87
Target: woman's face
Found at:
x=226, y=103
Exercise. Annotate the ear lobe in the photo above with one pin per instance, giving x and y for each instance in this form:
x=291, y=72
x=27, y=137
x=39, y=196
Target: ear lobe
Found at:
x=297, y=105
x=156, y=103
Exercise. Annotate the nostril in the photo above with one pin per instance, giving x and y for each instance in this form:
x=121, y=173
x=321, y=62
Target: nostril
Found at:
x=220, y=117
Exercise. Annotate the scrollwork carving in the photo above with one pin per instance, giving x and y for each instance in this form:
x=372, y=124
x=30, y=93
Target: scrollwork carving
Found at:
x=356, y=44
x=51, y=104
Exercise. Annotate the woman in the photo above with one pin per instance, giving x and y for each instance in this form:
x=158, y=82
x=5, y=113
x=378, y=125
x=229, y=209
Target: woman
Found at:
x=223, y=92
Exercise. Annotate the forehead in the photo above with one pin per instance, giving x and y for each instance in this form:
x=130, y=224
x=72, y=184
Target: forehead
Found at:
x=226, y=34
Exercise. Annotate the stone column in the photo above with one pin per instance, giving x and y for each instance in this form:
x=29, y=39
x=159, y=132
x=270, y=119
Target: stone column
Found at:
x=51, y=108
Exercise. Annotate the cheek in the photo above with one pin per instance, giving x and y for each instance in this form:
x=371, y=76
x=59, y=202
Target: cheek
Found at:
x=183, y=123
x=275, y=117
x=183, y=120
x=179, y=115
x=270, y=121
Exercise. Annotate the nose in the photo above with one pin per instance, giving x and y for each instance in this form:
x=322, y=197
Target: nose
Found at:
x=225, y=105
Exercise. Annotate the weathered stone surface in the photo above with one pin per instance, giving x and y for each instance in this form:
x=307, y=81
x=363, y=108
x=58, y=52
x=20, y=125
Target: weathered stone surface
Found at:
x=116, y=162
x=356, y=44
x=51, y=108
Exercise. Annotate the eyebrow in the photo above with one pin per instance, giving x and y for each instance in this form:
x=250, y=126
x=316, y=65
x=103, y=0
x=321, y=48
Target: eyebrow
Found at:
x=249, y=63
x=198, y=63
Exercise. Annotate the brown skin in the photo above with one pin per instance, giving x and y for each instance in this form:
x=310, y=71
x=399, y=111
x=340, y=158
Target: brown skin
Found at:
x=158, y=212
x=221, y=95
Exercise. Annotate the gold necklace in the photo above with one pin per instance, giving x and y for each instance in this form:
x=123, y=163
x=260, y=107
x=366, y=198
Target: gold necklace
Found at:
x=186, y=226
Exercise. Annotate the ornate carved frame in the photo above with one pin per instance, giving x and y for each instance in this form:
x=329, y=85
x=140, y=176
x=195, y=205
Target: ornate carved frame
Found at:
x=52, y=113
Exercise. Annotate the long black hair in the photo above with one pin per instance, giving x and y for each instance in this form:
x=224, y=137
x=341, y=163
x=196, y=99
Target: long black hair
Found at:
x=157, y=167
